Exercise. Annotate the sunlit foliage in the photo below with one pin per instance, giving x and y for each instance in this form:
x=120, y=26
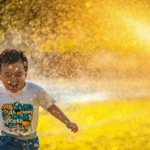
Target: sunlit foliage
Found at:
x=118, y=26
x=77, y=30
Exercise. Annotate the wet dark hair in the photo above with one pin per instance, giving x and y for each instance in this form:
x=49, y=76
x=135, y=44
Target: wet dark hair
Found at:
x=11, y=56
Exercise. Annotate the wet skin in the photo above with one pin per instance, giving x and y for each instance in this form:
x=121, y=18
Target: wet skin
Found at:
x=13, y=76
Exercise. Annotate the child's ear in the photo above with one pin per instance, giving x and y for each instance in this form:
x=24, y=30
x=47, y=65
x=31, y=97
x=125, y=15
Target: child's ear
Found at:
x=26, y=73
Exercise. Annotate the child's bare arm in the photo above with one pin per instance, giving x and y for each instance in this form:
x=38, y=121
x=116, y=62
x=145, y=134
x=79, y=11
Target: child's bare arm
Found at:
x=56, y=112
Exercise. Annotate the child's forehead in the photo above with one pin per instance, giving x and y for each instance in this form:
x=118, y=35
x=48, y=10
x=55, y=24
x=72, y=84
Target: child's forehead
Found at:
x=17, y=66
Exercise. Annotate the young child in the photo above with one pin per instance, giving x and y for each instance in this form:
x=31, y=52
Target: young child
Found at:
x=19, y=104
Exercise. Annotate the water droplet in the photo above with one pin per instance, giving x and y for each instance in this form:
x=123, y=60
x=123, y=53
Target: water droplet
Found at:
x=25, y=63
x=10, y=67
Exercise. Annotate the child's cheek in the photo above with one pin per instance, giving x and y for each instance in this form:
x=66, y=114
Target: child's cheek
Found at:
x=23, y=77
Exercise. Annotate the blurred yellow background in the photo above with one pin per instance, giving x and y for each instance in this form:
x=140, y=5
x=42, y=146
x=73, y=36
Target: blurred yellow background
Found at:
x=96, y=46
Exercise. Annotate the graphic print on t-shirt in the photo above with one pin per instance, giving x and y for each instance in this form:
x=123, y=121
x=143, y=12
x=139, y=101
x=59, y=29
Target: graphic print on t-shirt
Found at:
x=17, y=117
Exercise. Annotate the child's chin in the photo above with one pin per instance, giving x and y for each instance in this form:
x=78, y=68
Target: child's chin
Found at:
x=13, y=90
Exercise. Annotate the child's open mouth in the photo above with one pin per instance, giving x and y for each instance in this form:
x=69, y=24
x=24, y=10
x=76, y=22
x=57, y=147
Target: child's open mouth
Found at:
x=13, y=87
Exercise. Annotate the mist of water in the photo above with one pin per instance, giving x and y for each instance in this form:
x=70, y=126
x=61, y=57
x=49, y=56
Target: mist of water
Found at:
x=97, y=50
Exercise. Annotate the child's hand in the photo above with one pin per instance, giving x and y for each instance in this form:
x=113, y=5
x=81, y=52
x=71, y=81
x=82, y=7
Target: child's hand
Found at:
x=72, y=126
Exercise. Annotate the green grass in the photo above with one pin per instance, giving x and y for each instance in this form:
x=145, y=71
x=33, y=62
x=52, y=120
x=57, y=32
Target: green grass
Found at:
x=112, y=125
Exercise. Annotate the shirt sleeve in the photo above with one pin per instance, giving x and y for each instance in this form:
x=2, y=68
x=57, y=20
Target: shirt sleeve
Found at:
x=44, y=99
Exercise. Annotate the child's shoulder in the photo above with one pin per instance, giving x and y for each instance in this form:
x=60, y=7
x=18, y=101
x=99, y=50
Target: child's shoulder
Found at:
x=2, y=89
x=32, y=85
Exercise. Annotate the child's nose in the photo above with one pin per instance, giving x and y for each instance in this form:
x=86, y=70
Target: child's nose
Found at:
x=13, y=78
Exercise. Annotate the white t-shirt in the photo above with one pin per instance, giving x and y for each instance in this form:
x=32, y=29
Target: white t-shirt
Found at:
x=22, y=118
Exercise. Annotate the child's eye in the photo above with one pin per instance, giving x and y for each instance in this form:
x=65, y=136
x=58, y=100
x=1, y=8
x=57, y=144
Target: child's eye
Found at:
x=19, y=75
x=9, y=75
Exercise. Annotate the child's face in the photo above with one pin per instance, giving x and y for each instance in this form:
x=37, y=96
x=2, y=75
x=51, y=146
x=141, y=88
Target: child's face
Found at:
x=13, y=76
